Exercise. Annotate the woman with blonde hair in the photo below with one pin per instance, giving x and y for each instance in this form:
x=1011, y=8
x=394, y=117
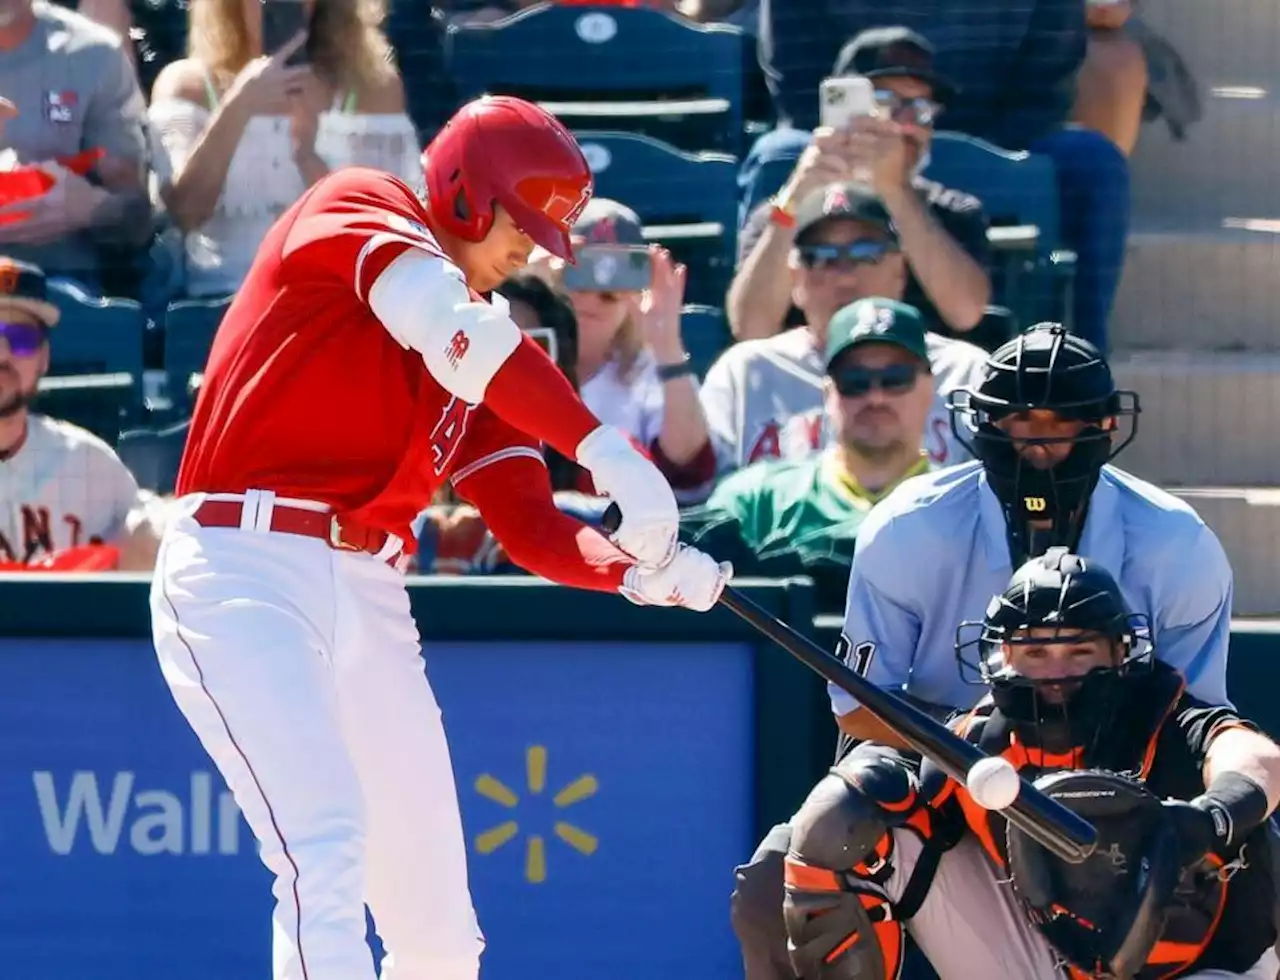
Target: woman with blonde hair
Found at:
x=632, y=368
x=272, y=96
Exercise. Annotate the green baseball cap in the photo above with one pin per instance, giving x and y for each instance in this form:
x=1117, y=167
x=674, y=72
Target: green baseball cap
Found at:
x=876, y=321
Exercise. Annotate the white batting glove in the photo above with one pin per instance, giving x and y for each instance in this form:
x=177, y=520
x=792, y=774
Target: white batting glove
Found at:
x=650, y=516
x=692, y=579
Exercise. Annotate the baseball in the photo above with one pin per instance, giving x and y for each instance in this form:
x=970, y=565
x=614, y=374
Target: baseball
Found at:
x=993, y=783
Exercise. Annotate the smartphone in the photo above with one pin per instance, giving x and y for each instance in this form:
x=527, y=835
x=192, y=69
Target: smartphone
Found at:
x=845, y=98
x=609, y=269
x=282, y=20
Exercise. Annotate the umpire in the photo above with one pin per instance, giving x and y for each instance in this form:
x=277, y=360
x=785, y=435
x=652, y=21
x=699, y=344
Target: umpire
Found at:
x=1044, y=424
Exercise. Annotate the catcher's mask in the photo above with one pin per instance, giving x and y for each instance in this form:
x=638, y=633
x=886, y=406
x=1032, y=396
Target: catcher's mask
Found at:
x=1105, y=915
x=1044, y=368
x=1058, y=598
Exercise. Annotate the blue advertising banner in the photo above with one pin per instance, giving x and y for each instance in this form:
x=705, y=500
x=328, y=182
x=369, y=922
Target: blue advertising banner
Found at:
x=606, y=790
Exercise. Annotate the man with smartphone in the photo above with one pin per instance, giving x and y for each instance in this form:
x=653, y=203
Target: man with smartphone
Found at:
x=878, y=109
x=763, y=397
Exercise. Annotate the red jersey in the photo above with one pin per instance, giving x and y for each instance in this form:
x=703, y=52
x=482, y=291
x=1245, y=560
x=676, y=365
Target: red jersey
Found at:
x=307, y=394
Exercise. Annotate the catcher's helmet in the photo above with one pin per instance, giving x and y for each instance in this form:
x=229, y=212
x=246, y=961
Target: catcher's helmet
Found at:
x=1077, y=600
x=503, y=150
x=1043, y=368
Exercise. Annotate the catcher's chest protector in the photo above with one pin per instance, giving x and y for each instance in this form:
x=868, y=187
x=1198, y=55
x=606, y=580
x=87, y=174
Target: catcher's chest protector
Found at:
x=1128, y=911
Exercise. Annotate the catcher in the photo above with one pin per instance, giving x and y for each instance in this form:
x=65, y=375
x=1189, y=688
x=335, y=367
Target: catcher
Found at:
x=1182, y=881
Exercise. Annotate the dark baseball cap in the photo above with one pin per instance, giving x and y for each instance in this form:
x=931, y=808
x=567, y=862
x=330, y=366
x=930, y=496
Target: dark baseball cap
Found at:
x=887, y=52
x=606, y=222
x=22, y=286
x=855, y=202
x=876, y=321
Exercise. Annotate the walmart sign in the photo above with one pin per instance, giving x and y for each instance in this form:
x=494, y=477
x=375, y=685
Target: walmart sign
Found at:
x=605, y=790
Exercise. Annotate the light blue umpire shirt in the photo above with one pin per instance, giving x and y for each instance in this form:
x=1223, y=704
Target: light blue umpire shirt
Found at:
x=934, y=552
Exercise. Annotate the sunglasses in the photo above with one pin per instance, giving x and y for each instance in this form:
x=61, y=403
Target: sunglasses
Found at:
x=920, y=111
x=25, y=339
x=854, y=382
x=865, y=251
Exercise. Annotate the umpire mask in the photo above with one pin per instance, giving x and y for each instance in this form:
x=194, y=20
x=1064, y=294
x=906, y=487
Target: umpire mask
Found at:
x=1043, y=369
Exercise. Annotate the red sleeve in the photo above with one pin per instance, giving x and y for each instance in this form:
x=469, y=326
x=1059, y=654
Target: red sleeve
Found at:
x=502, y=473
x=351, y=226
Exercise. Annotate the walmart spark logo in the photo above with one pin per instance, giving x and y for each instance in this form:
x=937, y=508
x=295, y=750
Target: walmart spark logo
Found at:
x=535, y=851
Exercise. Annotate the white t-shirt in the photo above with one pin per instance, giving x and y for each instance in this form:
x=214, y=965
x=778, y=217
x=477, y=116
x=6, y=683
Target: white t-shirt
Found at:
x=635, y=407
x=64, y=487
x=763, y=399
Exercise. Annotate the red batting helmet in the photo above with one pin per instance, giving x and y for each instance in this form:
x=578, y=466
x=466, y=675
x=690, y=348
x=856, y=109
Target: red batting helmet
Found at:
x=500, y=149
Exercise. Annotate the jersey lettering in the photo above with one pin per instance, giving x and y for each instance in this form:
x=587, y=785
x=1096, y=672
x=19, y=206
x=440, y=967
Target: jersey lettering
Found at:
x=447, y=434
x=813, y=428
x=36, y=535
x=857, y=658
x=767, y=444
x=76, y=526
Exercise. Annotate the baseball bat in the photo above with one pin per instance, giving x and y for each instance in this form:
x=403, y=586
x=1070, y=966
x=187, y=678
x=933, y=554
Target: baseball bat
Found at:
x=1064, y=833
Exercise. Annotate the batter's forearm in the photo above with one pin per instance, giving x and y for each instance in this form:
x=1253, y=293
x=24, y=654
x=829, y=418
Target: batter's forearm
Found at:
x=563, y=550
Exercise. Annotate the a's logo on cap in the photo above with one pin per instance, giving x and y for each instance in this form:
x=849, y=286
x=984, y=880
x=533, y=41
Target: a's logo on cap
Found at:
x=874, y=319
x=9, y=274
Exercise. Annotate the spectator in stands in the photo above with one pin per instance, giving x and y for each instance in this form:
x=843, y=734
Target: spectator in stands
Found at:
x=632, y=369
x=763, y=397
x=778, y=518
x=242, y=134
x=1111, y=88
x=942, y=232
x=74, y=91
x=60, y=487
x=1014, y=65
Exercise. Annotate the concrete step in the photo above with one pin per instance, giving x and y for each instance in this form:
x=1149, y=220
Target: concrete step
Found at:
x=1225, y=42
x=1227, y=169
x=1211, y=290
x=1207, y=419
x=1247, y=522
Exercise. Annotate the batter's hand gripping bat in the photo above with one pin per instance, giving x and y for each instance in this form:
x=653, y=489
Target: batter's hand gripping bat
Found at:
x=1047, y=821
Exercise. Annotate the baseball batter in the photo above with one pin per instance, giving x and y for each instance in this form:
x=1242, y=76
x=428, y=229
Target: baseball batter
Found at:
x=358, y=369
x=60, y=486
x=1175, y=786
x=1046, y=419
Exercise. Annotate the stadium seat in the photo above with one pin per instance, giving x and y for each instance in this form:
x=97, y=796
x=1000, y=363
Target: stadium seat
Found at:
x=95, y=361
x=101, y=403
x=95, y=335
x=612, y=68
x=706, y=333
x=189, y=327
x=687, y=201
x=1019, y=192
x=153, y=455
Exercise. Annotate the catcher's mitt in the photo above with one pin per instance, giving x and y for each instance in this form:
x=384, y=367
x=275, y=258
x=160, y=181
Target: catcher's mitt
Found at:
x=1105, y=915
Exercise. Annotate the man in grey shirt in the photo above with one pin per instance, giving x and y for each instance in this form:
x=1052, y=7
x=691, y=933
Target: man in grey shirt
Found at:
x=74, y=91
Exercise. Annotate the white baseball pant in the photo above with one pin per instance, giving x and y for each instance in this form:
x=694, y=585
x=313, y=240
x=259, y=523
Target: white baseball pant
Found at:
x=299, y=668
